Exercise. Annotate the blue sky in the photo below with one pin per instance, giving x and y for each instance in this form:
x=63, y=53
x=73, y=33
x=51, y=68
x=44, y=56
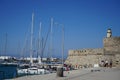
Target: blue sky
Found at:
x=85, y=22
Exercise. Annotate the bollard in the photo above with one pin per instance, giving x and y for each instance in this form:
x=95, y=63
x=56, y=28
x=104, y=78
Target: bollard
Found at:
x=60, y=72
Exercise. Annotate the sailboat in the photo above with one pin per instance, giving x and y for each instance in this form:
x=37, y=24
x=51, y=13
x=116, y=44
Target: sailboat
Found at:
x=32, y=68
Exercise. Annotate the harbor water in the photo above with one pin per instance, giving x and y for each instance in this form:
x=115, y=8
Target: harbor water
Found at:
x=8, y=71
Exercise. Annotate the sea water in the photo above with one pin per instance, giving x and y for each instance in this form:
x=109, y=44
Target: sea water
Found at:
x=8, y=71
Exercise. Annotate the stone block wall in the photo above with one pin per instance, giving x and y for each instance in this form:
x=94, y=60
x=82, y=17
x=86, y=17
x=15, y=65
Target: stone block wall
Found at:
x=112, y=45
x=84, y=57
x=112, y=49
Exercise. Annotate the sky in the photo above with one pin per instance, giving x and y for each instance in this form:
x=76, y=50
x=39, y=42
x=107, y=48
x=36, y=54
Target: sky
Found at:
x=85, y=24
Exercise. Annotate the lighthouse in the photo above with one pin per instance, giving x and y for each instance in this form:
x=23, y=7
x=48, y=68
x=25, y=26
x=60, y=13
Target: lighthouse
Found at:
x=109, y=33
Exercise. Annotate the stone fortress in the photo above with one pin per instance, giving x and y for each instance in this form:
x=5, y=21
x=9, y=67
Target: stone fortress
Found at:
x=95, y=57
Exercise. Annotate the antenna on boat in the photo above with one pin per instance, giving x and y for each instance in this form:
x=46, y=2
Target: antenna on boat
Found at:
x=31, y=46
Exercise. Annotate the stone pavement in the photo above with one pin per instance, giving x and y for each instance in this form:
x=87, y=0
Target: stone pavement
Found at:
x=103, y=74
x=83, y=74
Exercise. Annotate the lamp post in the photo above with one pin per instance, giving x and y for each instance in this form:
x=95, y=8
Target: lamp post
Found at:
x=62, y=42
x=62, y=45
x=60, y=70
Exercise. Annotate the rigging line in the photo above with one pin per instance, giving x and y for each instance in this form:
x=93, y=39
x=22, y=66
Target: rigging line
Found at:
x=45, y=42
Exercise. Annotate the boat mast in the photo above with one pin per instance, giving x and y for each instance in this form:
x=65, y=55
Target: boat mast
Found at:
x=5, y=45
x=31, y=46
x=39, y=45
x=51, y=33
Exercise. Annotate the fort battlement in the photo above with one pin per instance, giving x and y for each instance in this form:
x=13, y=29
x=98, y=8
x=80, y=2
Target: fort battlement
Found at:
x=86, y=52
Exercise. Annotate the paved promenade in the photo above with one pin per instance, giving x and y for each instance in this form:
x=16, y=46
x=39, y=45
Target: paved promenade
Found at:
x=83, y=74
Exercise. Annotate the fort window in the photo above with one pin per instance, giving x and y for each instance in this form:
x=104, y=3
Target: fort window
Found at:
x=102, y=61
x=85, y=54
x=99, y=53
x=117, y=62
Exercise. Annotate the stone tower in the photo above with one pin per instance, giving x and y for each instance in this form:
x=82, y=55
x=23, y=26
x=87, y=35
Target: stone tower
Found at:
x=109, y=33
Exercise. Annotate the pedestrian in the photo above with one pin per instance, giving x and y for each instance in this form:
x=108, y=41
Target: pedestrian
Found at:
x=110, y=64
x=106, y=63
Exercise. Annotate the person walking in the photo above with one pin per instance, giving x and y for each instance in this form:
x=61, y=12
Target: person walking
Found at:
x=110, y=64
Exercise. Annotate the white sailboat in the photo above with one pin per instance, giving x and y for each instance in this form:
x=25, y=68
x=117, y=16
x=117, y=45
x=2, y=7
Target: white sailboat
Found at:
x=33, y=69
